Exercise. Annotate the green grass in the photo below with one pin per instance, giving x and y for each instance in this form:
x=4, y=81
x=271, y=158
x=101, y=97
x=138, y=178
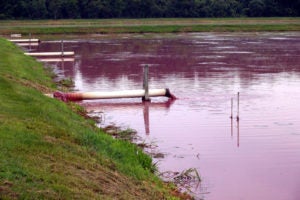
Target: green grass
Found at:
x=47, y=151
x=161, y=25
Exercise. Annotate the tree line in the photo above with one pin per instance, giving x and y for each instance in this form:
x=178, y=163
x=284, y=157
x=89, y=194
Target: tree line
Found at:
x=85, y=9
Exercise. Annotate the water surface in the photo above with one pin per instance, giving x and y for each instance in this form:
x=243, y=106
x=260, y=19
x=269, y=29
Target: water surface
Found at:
x=256, y=157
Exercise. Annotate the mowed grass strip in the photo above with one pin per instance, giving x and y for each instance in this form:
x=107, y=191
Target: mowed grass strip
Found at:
x=149, y=21
x=47, y=151
x=163, y=25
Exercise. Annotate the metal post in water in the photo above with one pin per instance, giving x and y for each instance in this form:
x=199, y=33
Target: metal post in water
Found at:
x=231, y=125
x=62, y=48
x=29, y=41
x=238, y=106
x=231, y=116
x=146, y=84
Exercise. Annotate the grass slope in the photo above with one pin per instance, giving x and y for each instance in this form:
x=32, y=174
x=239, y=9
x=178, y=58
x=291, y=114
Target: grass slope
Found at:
x=47, y=151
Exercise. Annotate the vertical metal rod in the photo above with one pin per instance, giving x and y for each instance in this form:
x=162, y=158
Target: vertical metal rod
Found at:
x=62, y=48
x=231, y=126
x=238, y=133
x=29, y=41
x=238, y=107
x=231, y=116
x=145, y=83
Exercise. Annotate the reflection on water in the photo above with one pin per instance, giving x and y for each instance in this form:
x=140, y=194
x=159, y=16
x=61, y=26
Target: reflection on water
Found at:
x=146, y=117
x=144, y=107
x=256, y=157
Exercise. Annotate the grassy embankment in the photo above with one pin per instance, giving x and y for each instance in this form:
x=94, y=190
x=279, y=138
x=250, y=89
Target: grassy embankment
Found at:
x=165, y=25
x=47, y=151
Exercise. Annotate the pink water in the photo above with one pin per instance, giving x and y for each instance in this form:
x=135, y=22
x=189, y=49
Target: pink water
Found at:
x=255, y=158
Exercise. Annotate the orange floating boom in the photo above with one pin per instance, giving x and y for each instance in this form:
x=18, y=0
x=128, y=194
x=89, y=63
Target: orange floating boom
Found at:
x=112, y=95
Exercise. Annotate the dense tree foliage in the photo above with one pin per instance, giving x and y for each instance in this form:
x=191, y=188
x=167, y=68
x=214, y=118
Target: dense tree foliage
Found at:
x=58, y=9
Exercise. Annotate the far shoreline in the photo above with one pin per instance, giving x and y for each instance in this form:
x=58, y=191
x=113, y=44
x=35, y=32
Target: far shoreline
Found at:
x=149, y=25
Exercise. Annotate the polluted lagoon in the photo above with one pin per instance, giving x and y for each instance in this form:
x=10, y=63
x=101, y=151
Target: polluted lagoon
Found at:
x=255, y=157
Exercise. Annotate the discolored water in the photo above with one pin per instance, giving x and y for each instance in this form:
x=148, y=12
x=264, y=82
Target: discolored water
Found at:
x=254, y=158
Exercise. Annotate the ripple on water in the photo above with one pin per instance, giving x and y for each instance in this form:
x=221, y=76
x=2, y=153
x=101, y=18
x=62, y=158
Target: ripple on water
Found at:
x=283, y=124
x=235, y=52
x=211, y=63
x=279, y=38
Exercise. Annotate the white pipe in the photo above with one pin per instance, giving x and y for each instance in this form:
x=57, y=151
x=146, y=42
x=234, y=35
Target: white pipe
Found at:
x=24, y=40
x=16, y=35
x=112, y=95
x=123, y=94
x=28, y=44
x=67, y=53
